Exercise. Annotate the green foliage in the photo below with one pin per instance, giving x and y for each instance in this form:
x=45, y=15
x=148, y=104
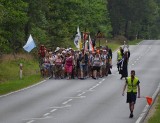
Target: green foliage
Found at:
x=13, y=21
x=54, y=23
x=134, y=19
x=65, y=16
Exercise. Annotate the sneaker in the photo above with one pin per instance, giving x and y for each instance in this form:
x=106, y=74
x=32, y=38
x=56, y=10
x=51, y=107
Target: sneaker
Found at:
x=131, y=116
x=82, y=78
x=93, y=77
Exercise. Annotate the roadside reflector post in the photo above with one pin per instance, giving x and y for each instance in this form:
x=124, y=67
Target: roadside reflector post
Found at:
x=21, y=70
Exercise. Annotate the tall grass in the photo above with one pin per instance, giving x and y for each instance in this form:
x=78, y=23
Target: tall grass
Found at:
x=9, y=72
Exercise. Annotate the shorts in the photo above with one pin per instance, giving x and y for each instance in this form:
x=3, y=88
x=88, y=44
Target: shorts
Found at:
x=97, y=68
x=131, y=97
x=82, y=67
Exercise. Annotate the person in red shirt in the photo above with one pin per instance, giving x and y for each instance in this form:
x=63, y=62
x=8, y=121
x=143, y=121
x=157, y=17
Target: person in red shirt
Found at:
x=41, y=53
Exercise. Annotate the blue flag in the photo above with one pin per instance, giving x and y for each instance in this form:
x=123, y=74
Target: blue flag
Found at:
x=29, y=45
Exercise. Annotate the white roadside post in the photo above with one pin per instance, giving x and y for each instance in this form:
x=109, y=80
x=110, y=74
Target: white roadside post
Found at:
x=21, y=70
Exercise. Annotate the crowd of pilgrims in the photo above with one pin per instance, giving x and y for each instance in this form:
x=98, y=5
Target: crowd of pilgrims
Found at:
x=70, y=64
x=80, y=64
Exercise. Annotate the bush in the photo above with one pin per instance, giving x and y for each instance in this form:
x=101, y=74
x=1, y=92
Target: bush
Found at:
x=120, y=39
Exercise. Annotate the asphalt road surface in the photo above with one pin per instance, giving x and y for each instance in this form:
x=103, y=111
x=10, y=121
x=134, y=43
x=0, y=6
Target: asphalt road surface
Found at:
x=86, y=101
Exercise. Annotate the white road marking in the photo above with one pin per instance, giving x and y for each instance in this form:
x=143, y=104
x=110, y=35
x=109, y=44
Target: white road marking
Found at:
x=94, y=87
x=61, y=107
x=31, y=121
x=46, y=114
x=67, y=101
x=132, y=64
x=77, y=97
x=97, y=85
x=53, y=110
x=90, y=89
x=81, y=93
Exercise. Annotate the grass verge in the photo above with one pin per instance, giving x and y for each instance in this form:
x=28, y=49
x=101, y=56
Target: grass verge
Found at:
x=17, y=84
x=9, y=72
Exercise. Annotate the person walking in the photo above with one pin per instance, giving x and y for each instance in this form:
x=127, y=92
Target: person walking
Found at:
x=119, y=58
x=124, y=65
x=132, y=83
x=69, y=65
x=96, y=63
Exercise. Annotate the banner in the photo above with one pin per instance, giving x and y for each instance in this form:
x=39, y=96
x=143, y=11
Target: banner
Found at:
x=77, y=39
x=90, y=44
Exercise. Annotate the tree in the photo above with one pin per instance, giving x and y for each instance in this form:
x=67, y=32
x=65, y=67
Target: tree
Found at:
x=13, y=22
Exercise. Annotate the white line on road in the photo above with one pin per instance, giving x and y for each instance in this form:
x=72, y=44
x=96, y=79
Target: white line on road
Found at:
x=77, y=97
x=81, y=93
x=97, y=85
x=31, y=121
x=62, y=106
x=67, y=101
x=53, y=110
x=90, y=89
x=46, y=114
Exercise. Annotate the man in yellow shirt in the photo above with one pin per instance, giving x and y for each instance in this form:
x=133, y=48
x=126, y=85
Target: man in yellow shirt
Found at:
x=119, y=58
x=132, y=83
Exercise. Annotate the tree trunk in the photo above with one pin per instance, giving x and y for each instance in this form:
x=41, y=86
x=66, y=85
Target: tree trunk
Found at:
x=126, y=29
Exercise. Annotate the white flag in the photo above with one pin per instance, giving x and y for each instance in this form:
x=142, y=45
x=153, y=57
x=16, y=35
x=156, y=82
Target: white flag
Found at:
x=90, y=44
x=29, y=45
x=77, y=38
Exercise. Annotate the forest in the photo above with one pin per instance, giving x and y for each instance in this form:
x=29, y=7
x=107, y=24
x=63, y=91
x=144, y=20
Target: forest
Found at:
x=54, y=22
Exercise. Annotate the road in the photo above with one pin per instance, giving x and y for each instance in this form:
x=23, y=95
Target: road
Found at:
x=86, y=101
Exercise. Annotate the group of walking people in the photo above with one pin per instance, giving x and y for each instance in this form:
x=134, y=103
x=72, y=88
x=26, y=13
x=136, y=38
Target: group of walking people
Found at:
x=68, y=63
